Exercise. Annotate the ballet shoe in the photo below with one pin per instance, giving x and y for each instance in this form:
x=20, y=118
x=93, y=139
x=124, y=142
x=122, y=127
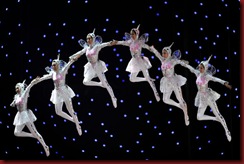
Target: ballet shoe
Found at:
x=228, y=135
x=186, y=117
x=114, y=100
x=78, y=127
x=157, y=97
x=77, y=123
x=46, y=148
x=187, y=122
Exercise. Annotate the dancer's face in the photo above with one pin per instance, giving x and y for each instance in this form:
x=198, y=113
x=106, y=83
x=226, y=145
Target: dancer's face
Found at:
x=133, y=34
x=165, y=54
x=201, y=68
x=55, y=66
x=17, y=89
x=89, y=39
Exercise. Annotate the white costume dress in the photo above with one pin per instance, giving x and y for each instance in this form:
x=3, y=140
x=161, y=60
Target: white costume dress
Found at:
x=207, y=97
x=62, y=93
x=25, y=116
x=138, y=62
x=94, y=64
x=171, y=82
x=204, y=94
x=95, y=67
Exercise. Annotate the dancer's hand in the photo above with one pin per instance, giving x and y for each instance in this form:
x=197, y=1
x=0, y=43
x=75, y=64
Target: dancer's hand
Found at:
x=185, y=61
x=35, y=80
x=12, y=104
x=227, y=85
x=74, y=58
x=113, y=42
x=151, y=48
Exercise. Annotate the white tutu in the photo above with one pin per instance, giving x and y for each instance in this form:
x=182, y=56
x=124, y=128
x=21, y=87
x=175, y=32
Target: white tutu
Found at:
x=167, y=83
x=202, y=97
x=135, y=64
x=61, y=94
x=24, y=117
x=90, y=69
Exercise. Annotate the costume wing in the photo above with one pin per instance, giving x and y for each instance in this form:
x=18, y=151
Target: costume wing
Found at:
x=48, y=69
x=176, y=54
x=62, y=64
x=127, y=36
x=98, y=39
x=211, y=69
x=82, y=43
x=144, y=38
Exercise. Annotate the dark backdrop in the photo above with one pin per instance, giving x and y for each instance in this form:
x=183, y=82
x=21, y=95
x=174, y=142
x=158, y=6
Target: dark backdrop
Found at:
x=32, y=33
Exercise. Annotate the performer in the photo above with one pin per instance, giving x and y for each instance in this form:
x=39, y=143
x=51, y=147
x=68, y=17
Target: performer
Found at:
x=95, y=67
x=25, y=116
x=62, y=93
x=206, y=96
x=171, y=82
x=138, y=62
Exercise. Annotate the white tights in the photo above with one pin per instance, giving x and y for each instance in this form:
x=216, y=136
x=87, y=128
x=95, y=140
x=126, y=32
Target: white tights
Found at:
x=18, y=131
x=218, y=117
x=71, y=116
x=181, y=102
x=103, y=83
x=59, y=110
x=135, y=78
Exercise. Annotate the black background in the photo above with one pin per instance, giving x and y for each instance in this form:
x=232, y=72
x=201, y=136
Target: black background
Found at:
x=99, y=120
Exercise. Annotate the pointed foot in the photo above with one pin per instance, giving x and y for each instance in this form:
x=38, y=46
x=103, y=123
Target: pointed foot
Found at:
x=114, y=100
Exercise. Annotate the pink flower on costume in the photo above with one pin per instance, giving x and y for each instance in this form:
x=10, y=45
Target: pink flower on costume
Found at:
x=134, y=47
x=19, y=100
x=166, y=66
x=201, y=80
x=90, y=53
x=58, y=77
